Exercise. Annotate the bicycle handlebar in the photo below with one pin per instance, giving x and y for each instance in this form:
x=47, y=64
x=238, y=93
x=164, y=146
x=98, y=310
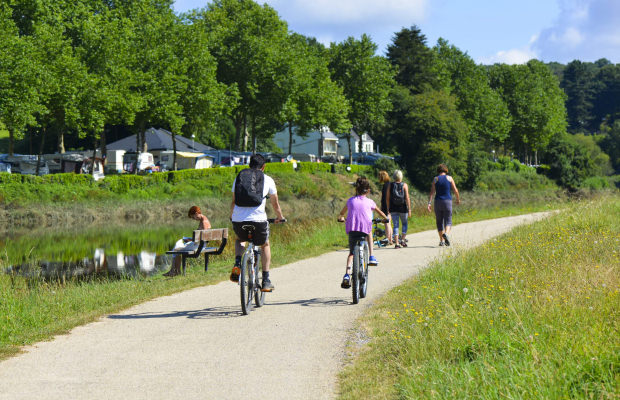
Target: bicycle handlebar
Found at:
x=380, y=220
x=273, y=220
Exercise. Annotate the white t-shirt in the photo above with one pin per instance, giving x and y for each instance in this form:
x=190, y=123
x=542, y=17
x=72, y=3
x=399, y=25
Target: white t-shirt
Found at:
x=255, y=214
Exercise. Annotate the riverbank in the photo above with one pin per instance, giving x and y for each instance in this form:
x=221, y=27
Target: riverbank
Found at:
x=532, y=314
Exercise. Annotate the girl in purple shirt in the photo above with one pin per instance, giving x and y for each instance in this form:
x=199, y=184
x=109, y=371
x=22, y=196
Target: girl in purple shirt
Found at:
x=359, y=210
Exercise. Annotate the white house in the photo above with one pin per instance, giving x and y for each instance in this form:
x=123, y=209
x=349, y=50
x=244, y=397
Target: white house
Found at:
x=322, y=142
x=367, y=144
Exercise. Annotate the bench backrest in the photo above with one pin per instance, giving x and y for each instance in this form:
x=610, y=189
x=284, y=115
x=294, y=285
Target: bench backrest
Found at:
x=210, y=234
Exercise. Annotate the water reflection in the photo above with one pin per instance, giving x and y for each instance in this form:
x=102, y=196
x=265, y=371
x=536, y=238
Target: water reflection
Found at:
x=113, y=264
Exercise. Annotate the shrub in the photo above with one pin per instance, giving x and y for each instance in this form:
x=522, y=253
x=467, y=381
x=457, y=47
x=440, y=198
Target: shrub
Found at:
x=509, y=180
x=6, y=177
x=312, y=167
x=69, y=179
x=596, y=183
x=279, y=167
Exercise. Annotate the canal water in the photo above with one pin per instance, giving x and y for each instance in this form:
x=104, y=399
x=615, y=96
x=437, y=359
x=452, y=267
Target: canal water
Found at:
x=114, y=250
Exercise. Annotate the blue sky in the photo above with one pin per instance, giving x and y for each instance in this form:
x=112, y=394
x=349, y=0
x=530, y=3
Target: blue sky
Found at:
x=508, y=31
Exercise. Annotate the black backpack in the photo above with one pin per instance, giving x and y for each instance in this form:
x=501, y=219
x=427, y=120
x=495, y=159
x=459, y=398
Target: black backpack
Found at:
x=397, y=194
x=249, y=188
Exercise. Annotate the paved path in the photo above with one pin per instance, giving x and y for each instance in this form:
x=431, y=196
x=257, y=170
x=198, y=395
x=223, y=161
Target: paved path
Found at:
x=197, y=345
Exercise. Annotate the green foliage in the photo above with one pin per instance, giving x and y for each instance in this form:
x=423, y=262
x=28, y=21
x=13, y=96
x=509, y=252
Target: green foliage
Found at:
x=311, y=167
x=568, y=163
x=535, y=102
x=431, y=131
x=69, y=179
x=385, y=164
x=413, y=60
x=507, y=179
x=596, y=183
x=355, y=67
x=279, y=167
x=7, y=178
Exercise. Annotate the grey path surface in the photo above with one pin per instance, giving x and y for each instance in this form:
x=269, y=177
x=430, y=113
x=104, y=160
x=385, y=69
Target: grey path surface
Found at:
x=197, y=345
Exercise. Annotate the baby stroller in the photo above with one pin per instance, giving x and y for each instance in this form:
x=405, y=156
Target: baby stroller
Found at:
x=378, y=234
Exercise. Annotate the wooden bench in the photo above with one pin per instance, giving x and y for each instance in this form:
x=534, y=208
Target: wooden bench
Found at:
x=202, y=237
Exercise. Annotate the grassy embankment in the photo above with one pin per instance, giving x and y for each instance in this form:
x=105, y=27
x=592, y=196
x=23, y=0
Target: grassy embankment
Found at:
x=33, y=310
x=533, y=314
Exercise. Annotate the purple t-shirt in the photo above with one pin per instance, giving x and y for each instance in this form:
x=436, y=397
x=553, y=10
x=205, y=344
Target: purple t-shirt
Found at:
x=359, y=216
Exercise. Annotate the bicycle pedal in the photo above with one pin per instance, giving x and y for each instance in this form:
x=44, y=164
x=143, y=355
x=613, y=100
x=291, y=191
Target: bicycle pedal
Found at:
x=266, y=290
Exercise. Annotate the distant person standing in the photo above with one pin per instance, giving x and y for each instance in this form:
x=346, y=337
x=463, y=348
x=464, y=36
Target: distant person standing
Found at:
x=399, y=207
x=441, y=188
x=385, y=179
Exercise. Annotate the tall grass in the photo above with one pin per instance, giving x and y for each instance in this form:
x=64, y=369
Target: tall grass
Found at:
x=534, y=314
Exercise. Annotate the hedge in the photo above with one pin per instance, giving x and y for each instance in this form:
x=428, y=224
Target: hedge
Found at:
x=7, y=177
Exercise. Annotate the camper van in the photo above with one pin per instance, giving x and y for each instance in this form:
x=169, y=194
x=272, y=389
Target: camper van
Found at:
x=185, y=160
x=114, y=161
x=144, y=162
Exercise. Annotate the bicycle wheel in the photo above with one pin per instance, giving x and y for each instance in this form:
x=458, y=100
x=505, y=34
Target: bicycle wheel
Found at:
x=355, y=276
x=364, y=272
x=259, y=297
x=246, y=282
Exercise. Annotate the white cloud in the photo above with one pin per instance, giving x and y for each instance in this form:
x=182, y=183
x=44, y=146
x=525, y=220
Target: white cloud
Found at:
x=514, y=56
x=586, y=30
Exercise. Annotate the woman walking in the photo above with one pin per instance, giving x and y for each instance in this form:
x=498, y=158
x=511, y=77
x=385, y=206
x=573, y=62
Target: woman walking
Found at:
x=385, y=179
x=399, y=207
x=441, y=188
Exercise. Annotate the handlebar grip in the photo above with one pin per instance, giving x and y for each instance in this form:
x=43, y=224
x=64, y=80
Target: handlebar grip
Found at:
x=273, y=220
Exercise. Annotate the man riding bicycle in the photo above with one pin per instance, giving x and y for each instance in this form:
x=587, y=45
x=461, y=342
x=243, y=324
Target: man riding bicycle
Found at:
x=250, y=190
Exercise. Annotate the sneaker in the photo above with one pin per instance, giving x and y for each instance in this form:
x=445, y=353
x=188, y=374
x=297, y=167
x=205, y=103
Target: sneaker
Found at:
x=267, y=286
x=403, y=243
x=446, y=239
x=397, y=246
x=234, y=274
x=346, y=282
x=442, y=244
x=372, y=260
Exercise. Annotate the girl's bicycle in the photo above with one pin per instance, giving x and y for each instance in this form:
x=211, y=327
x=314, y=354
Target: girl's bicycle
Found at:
x=359, y=273
x=250, y=288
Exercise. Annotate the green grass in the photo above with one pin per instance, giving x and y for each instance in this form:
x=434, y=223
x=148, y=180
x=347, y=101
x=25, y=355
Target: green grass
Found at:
x=33, y=310
x=533, y=314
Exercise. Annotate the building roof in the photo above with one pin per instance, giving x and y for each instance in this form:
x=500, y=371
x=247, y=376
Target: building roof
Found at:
x=159, y=139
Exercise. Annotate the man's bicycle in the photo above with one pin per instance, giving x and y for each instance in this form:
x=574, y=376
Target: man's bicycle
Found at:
x=249, y=284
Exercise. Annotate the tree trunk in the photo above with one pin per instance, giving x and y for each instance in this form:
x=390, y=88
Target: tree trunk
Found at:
x=290, y=138
x=12, y=142
x=104, y=149
x=350, y=148
x=61, y=142
x=40, y=151
x=145, y=145
x=174, y=152
x=92, y=165
x=238, y=127
x=245, y=133
x=359, y=144
x=253, y=127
